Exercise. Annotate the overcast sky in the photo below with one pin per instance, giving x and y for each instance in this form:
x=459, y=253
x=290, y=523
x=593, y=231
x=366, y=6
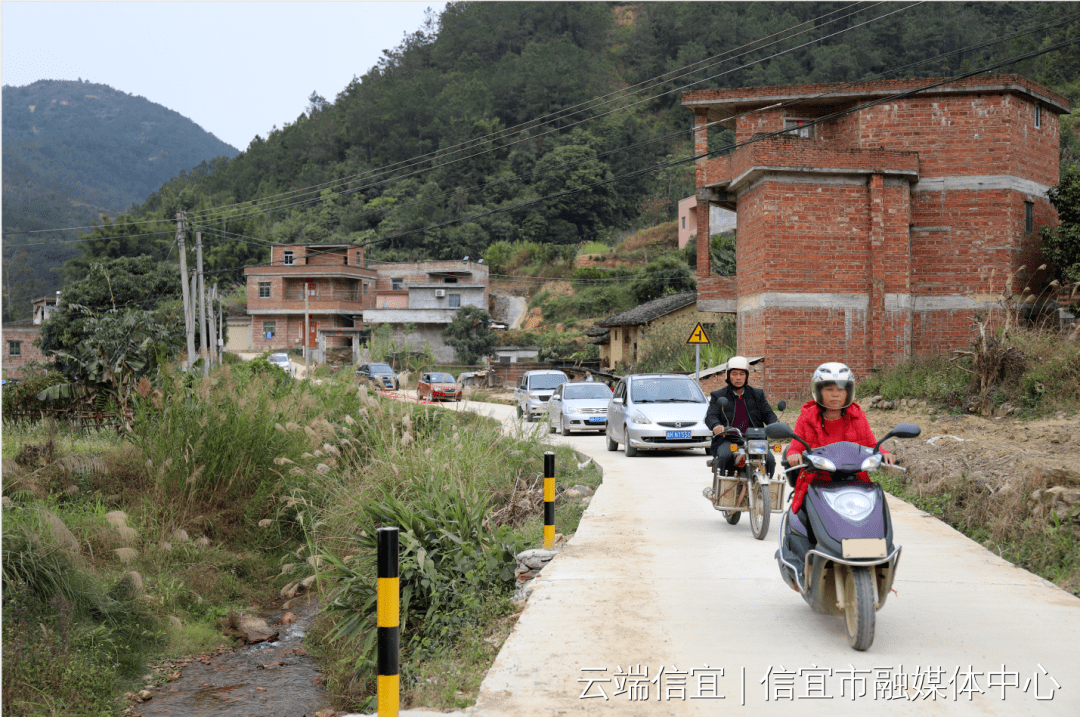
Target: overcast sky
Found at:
x=236, y=69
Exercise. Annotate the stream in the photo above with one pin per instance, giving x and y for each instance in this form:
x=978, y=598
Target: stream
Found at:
x=266, y=679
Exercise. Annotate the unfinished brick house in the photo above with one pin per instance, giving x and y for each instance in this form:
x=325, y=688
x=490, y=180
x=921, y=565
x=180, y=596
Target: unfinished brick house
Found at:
x=348, y=298
x=876, y=235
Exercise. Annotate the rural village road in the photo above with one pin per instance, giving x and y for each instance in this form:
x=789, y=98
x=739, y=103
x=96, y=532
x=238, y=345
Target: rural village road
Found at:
x=658, y=607
x=654, y=577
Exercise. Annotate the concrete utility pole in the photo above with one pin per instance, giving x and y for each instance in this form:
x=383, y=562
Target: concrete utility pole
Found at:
x=203, y=347
x=307, y=329
x=220, y=327
x=189, y=325
x=211, y=341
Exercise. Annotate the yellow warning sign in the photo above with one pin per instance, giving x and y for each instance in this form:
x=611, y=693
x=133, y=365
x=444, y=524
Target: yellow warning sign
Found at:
x=698, y=336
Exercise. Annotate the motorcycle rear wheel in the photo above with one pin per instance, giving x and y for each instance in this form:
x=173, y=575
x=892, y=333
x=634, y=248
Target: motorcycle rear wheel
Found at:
x=760, y=511
x=859, y=610
x=731, y=516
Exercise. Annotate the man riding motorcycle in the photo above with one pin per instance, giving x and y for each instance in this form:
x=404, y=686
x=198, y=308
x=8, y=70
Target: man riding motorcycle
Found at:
x=746, y=407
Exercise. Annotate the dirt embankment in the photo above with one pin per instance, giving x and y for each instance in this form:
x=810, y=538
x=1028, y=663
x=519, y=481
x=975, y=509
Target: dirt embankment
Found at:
x=995, y=450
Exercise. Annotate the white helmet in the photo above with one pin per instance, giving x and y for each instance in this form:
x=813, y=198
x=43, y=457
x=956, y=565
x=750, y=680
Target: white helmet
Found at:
x=833, y=373
x=737, y=362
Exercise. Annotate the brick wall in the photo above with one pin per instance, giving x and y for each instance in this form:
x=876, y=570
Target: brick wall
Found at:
x=881, y=236
x=24, y=336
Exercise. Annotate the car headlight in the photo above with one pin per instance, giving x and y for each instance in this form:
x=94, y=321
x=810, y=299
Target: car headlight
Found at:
x=571, y=410
x=821, y=463
x=852, y=503
x=757, y=448
x=639, y=417
x=871, y=463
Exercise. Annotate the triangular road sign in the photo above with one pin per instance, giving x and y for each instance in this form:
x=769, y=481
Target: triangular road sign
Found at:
x=698, y=336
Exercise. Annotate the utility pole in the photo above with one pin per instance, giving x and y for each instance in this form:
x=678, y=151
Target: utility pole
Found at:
x=189, y=325
x=212, y=334
x=220, y=327
x=203, y=348
x=307, y=329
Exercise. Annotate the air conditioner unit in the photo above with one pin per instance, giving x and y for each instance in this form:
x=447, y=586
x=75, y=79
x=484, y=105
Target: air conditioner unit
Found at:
x=440, y=293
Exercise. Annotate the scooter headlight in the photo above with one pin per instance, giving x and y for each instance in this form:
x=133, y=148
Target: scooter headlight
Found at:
x=821, y=463
x=871, y=463
x=851, y=503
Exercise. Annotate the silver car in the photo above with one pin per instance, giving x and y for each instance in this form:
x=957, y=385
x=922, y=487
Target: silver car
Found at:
x=657, y=411
x=579, y=407
x=535, y=389
x=282, y=361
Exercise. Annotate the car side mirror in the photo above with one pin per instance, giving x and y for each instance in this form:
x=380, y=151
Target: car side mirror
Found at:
x=617, y=400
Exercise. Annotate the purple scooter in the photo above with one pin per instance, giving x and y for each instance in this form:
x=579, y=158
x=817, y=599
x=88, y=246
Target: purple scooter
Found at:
x=838, y=551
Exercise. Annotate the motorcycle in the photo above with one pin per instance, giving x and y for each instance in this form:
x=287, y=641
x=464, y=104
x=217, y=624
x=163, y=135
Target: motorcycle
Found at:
x=750, y=488
x=838, y=550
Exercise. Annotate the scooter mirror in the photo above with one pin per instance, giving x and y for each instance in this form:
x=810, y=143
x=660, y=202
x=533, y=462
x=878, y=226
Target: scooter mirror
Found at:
x=782, y=405
x=905, y=430
x=779, y=430
x=723, y=402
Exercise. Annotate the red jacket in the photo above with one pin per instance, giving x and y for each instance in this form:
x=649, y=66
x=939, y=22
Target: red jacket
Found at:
x=852, y=426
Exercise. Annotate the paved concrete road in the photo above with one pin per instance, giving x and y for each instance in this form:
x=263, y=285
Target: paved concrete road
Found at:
x=654, y=578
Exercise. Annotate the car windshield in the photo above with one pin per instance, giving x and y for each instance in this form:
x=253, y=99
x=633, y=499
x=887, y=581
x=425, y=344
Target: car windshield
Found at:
x=666, y=390
x=546, y=381
x=587, y=390
x=381, y=368
x=279, y=358
x=440, y=378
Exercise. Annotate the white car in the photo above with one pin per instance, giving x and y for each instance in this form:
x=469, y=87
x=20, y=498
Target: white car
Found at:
x=282, y=361
x=580, y=406
x=533, y=392
x=657, y=411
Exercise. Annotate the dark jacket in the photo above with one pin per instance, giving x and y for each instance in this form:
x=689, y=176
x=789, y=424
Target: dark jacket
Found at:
x=761, y=413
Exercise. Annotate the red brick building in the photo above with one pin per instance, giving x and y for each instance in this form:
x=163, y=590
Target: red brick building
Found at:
x=876, y=235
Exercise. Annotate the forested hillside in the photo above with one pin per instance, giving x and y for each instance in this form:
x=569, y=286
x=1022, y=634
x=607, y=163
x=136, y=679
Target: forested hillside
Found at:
x=73, y=151
x=552, y=122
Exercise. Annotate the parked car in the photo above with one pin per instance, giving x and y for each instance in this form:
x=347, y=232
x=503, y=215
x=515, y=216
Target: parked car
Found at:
x=579, y=407
x=437, y=386
x=378, y=373
x=657, y=411
x=282, y=361
x=535, y=389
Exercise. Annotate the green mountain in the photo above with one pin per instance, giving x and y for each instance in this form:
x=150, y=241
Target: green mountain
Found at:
x=551, y=122
x=73, y=151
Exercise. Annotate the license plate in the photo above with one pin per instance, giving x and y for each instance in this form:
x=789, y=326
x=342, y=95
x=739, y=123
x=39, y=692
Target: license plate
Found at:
x=597, y=419
x=863, y=547
x=678, y=435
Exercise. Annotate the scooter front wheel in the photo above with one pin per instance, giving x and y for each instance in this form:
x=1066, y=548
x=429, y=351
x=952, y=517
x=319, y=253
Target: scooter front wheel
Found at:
x=760, y=510
x=731, y=516
x=859, y=608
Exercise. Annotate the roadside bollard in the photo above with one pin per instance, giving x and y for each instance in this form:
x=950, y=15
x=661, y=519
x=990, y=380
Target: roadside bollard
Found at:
x=388, y=620
x=549, y=499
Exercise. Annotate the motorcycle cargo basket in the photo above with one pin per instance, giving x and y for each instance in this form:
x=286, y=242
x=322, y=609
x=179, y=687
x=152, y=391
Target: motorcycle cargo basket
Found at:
x=728, y=493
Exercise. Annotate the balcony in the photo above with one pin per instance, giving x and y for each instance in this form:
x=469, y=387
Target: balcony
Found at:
x=323, y=300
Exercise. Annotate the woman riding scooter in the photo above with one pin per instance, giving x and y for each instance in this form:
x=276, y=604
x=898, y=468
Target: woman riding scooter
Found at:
x=832, y=416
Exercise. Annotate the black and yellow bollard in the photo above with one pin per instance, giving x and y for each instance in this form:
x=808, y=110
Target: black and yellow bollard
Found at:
x=388, y=623
x=549, y=499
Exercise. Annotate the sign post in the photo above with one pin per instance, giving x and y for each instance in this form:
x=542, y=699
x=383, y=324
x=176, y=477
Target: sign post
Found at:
x=697, y=338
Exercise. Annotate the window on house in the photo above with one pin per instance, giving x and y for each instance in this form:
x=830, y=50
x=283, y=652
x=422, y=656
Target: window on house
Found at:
x=359, y=258
x=269, y=329
x=289, y=258
x=14, y=348
x=798, y=128
x=397, y=284
x=684, y=222
x=455, y=300
x=1029, y=217
x=264, y=289
x=504, y=359
x=1038, y=115
x=449, y=279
